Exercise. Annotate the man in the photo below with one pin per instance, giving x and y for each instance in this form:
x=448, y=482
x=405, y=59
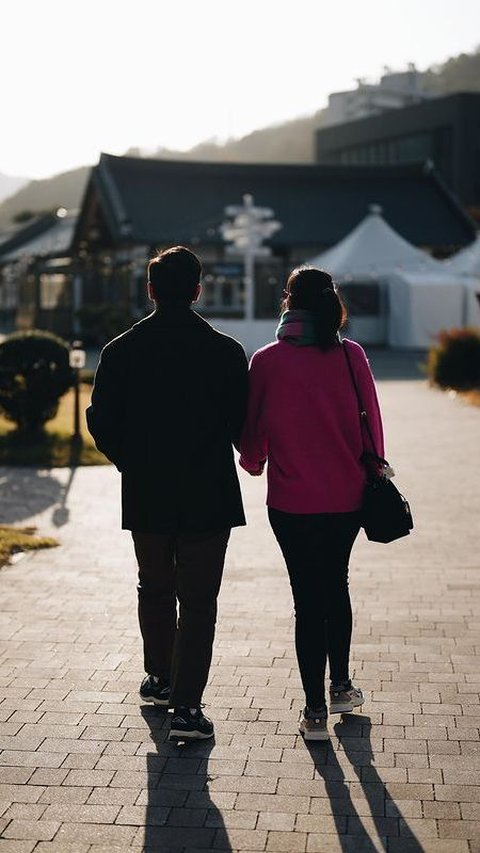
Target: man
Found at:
x=168, y=401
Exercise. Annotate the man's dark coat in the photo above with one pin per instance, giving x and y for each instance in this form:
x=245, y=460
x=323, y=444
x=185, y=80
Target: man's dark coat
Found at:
x=169, y=400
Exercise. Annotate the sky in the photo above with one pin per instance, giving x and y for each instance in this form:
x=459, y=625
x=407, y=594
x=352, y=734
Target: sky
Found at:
x=107, y=75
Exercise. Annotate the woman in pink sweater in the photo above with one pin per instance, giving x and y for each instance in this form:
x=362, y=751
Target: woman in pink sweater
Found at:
x=303, y=418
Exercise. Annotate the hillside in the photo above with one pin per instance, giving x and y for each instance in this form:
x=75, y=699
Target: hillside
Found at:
x=64, y=190
x=10, y=185
x=459, y=74
x=290, y=142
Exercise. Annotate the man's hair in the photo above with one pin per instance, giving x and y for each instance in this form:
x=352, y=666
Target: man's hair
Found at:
x=174, y=275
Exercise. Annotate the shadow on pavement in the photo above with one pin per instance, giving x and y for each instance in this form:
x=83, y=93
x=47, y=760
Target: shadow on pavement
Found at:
x=353, y=732
x=25, y=492
x=179, y=812
x=61, y=513
x=389, y=364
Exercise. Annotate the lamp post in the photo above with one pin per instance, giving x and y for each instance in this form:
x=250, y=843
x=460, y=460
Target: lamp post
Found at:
x=248, y=227
x=77, y=361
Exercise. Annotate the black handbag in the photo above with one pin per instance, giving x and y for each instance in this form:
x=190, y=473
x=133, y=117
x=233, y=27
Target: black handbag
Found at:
x=385, y=512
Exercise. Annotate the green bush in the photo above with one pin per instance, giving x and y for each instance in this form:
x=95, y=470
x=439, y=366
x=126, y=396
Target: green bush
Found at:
x=454, y=361
x=34, y=374
x=101, y=323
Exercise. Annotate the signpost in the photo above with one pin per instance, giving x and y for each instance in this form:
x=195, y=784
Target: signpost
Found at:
x=77, y=357
x=246, y=228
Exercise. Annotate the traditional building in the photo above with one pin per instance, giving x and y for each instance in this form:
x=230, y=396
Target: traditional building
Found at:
x=133, y=207
x=37, y=289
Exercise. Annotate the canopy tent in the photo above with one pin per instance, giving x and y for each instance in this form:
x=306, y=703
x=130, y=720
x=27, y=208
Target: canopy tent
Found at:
x=422, y=304
x=372, y=250
x=467, y=261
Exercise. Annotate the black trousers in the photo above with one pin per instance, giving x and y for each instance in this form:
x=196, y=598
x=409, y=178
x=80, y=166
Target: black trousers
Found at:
x=316, y=549
x=178, y=640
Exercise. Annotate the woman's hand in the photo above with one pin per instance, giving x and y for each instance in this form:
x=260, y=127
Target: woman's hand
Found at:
x=259, y=472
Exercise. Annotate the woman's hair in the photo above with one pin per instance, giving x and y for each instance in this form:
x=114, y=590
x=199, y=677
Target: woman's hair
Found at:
x=313, y=290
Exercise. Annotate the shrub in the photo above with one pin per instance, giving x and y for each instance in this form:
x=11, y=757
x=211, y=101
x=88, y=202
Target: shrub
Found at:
x=101, y=323
x=34, y=374
x=454, y=361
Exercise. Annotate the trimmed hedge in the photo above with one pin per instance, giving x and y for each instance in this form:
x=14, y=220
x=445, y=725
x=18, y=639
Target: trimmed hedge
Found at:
x=34, y=374
x=454, y=361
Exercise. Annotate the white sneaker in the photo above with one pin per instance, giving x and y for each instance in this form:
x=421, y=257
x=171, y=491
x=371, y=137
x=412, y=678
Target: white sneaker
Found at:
x=345, y=700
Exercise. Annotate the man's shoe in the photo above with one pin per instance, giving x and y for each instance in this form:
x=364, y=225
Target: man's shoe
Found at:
x=154, y=690
x=345, y=698
x=186, y=725
x=313, y=725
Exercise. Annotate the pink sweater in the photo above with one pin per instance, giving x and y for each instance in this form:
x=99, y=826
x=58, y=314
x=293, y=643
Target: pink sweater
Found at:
x=303, y=417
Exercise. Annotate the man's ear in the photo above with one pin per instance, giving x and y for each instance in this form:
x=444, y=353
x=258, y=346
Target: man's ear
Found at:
x=198, y=292
x=150, y=291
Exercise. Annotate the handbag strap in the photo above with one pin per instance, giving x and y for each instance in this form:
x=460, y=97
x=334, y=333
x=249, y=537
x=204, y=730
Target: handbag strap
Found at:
x=364, y=424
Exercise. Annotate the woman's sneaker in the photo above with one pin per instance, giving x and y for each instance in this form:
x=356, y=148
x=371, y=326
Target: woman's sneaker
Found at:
x=190, y=725
x=313, y=724
x=345, y=698
x=154, y=690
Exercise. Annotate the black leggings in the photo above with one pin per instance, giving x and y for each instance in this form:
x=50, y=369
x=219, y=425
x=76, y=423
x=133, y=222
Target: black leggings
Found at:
x=316, y=548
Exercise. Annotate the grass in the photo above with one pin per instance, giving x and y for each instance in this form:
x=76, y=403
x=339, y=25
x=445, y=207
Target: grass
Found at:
x=15, y=539
x=52, y=448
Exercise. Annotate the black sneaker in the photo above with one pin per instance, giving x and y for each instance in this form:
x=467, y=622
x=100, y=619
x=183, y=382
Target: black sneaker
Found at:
x=154, y=690
x=188, y=726
x=313, y=725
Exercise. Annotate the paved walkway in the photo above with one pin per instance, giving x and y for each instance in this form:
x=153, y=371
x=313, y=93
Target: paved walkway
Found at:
x=85, y=767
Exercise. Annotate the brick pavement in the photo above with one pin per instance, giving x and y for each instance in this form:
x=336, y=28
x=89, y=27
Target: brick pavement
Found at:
x=85, y=767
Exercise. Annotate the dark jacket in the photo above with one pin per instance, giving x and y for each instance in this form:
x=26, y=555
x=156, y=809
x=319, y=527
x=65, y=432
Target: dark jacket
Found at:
x=169, y=400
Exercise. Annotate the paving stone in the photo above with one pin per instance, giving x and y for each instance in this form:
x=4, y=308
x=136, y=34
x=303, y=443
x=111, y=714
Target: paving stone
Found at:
x=38, y=830
x=79, y=745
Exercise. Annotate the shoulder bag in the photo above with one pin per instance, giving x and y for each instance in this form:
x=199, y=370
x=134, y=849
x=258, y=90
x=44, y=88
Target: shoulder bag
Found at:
x=386, y=513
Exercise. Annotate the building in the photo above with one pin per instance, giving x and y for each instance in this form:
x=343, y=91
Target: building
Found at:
x=133, y=207
x=395, y=90
x=37, y=289
x=445, y=131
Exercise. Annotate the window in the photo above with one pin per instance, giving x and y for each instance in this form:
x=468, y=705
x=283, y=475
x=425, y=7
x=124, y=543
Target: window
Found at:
x=223, y=289
x=52, y=287
x=361, y=298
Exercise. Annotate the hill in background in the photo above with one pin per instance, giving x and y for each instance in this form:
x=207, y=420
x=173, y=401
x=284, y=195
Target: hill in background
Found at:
x=10, y=185
x=64, y=190
x=290, y=142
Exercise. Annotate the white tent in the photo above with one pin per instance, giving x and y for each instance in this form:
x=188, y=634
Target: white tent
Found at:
x=421, y=304
x=372, y=250
x=467, y=261
x=466, y=264
x=417, y=295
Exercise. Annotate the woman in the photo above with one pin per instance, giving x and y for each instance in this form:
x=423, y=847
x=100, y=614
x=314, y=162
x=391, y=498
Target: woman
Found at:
x=303, y=417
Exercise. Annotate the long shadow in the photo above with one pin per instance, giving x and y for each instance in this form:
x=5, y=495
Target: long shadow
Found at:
x=179, y=811
x=25, y=492
x=61, y=513
x=353, y=731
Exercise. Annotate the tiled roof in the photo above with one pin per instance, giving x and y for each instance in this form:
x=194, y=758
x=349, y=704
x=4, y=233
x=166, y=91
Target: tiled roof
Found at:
x=46, y=236
x=161, y=201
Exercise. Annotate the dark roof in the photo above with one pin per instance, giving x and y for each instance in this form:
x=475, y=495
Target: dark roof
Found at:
x=49, y=236
x=156, y=202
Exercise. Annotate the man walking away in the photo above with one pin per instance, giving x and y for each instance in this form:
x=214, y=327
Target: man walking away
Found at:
x=168, y=402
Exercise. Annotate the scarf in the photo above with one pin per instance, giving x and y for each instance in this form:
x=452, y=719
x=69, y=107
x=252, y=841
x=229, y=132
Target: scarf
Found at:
x=297, y=327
